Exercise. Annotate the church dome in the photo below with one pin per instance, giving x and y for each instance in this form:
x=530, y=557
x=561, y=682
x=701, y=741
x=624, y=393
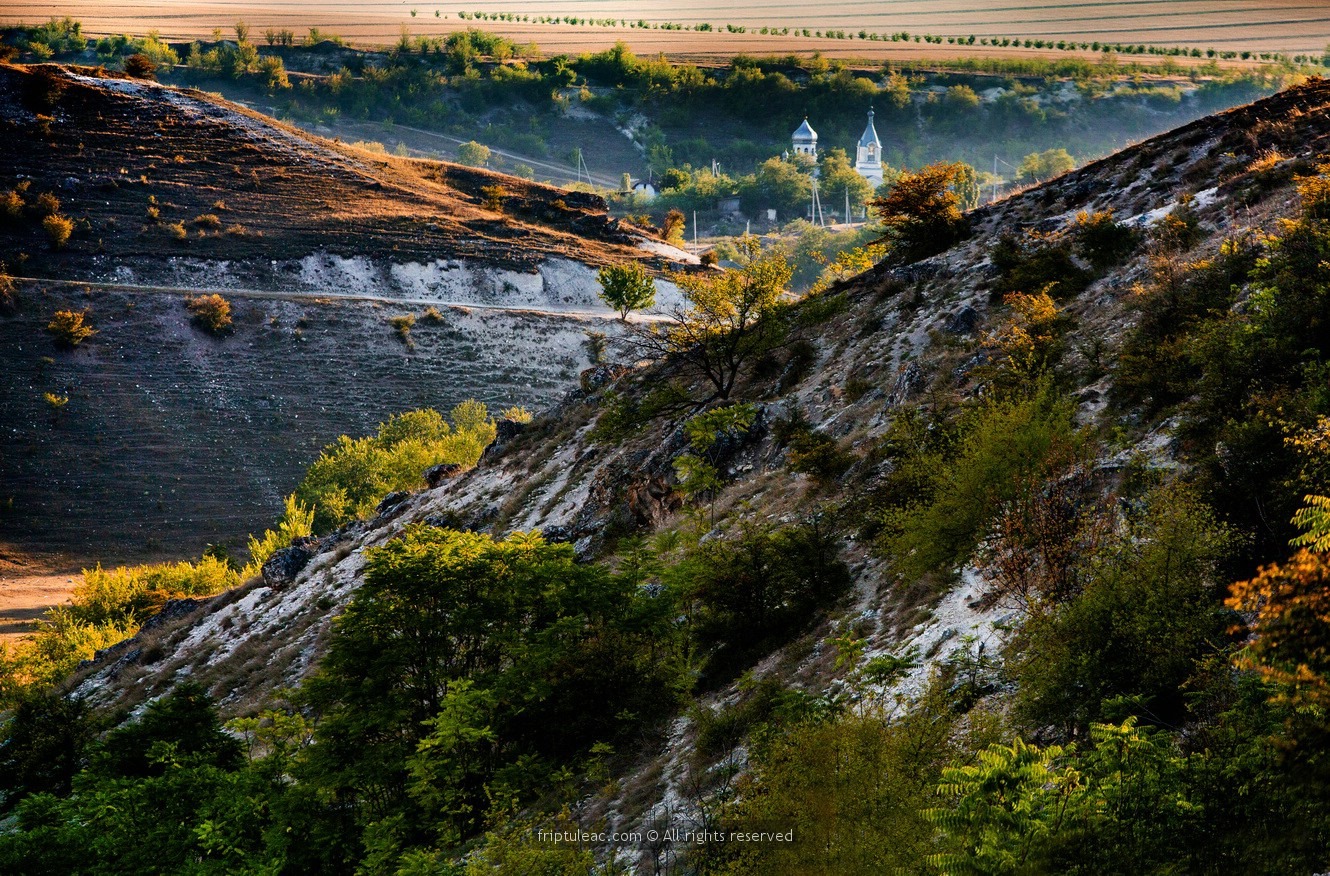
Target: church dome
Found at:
x=805, y=133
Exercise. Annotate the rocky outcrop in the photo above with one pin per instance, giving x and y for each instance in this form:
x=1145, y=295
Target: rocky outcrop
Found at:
x=280, y=569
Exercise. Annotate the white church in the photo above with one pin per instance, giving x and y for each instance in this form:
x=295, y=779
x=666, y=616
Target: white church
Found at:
x=868, y=154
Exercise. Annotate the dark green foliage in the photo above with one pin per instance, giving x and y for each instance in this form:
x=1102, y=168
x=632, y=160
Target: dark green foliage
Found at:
x=150, y=802
x=45, y=744
x=947, y=487
x=1159, y=363
x=1034, y=263
x=1248, y=374
x=181, y=728
x=479, y=656
x=1101, y=241
x=817, y=454
x=624, y=414
x=853, y=789
x=765, y=703
x=1149, y=609
x=801, y=356
x=755, y=591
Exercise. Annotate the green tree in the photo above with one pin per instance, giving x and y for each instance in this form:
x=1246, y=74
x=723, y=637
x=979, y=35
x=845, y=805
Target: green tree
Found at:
x=839, y=178
x=465, y=667
x=626, y=288
x=780, y=184
x=726, y=320
x=473, y=154
x=1040, y=166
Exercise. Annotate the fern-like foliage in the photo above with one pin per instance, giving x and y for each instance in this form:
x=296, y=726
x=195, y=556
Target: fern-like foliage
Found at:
x=1314, y=521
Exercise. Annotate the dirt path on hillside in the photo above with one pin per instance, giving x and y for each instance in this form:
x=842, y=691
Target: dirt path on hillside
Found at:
x=578, y=314
x=28, y=588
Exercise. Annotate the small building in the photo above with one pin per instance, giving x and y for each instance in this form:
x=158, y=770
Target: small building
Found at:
x=728, y=205
x=868, y=155
x=805, y=140
x=645, y=189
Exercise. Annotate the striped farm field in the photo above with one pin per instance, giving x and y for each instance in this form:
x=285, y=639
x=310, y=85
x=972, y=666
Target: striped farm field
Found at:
x=854, y=28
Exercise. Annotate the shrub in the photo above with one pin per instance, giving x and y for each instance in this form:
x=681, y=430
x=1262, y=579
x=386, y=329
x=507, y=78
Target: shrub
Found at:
x=754, y=591
x=177, y=231
x=352, y=475
x=212, y=313
x=140, y=66
x=816, y=453
x=1009, y=447
x=1180, y=230
x=1033, y=263
x=857, y=787
x=43, y=89
x=58, y=229
x=492, y=197
x=1147, y=612
x=473, y=154
x=403, y=325
x=1030, y=342
x=128, y=595
x=1101, y=241
x=46, y=204
x=921, y=214
x=11, y=205
x=8, y=292
x=297, y=521
x=70, y=327
x=208, y=220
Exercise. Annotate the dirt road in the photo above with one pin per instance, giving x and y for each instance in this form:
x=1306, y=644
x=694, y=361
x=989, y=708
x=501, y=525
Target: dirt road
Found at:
x=28, y=588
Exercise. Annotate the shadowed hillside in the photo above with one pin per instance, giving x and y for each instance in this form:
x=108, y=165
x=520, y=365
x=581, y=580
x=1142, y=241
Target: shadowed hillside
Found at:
x=173, y=437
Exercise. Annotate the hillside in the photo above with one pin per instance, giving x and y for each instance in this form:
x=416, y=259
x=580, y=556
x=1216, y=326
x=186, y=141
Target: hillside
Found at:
x=898, y=329
x=110, y=148
x=939, y=583
x=193, y=438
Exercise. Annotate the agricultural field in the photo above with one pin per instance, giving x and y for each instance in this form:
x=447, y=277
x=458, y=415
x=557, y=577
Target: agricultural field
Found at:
x=695, y=30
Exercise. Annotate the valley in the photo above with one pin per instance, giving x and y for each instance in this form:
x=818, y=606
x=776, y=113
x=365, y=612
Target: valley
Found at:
x=364, y=511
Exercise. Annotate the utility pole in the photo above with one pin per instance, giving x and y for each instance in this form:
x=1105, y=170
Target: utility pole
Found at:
x=848, y=218
x=694, y=231
x=582, y=167
x=996, y=161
